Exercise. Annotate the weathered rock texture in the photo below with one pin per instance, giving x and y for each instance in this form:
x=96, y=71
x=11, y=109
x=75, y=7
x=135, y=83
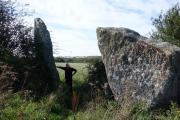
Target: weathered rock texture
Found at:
x=43, y=46
x=144, y=68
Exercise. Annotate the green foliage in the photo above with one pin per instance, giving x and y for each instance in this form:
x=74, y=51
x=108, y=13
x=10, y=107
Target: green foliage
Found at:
x=59, y=59
x=40, y=80
x=168, y=26
x=78, y=59
x=17, y=107
x=5, y=54
x=96, y=73
x=14, y=33
x=26, y=45
x=140, y=111
x=58, y=105
x=173, y=113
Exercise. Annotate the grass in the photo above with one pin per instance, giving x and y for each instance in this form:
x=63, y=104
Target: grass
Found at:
x=79, y=78
x=85, y=103
x=81, y=71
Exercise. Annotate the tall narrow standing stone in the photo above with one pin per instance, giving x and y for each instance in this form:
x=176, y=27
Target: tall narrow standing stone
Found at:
x=44, y=50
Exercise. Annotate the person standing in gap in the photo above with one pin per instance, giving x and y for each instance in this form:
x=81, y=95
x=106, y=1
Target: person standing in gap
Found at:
x=69, y=72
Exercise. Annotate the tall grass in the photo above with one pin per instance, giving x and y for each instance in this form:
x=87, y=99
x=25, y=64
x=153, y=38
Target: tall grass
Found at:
x=85, y=103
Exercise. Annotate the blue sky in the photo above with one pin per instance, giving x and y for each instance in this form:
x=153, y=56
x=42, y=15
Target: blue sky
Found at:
x=73, y=22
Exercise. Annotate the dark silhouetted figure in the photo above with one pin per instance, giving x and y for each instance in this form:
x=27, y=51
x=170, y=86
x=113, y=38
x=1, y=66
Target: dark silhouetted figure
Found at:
x=69, y=72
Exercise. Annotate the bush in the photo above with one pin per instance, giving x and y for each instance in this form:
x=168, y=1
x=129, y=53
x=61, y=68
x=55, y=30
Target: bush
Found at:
x=96, y=73
x=5, y=54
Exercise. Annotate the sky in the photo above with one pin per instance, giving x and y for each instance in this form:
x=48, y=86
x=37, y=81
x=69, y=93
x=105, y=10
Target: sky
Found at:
x=72, y=23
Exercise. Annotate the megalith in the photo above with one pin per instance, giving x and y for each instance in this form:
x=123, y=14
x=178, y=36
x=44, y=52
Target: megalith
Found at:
x=144, y=68
x=44, y=49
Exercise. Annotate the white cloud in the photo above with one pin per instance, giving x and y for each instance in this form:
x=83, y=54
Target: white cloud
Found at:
x=74, y=22
x=75, y=43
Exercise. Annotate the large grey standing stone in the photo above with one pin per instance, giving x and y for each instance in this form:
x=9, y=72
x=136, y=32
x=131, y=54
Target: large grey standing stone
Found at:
x=43, y=46
x=144, y=68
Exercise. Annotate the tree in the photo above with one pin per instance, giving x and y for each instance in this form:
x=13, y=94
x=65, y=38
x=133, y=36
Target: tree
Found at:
x=14, y=33
x=168, y=26
x=26, y=39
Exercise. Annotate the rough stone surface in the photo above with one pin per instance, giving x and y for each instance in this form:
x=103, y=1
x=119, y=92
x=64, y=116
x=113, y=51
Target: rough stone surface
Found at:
x=43, y=46
x=144, y=68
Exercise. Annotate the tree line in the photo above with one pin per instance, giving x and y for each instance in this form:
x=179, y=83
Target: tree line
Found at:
x=87, y=59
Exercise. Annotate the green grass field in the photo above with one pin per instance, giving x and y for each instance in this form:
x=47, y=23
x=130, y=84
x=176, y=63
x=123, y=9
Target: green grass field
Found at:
x=79, y=78
x=81, y=70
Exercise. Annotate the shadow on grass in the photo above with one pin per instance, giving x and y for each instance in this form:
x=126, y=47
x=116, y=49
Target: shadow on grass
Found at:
x=83, y=92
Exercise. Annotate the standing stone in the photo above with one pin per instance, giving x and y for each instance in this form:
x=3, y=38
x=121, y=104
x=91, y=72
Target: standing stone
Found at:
x=146, y=69
x=43, y=47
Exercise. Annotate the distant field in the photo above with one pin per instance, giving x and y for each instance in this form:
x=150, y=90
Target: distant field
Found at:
x=79, y=77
